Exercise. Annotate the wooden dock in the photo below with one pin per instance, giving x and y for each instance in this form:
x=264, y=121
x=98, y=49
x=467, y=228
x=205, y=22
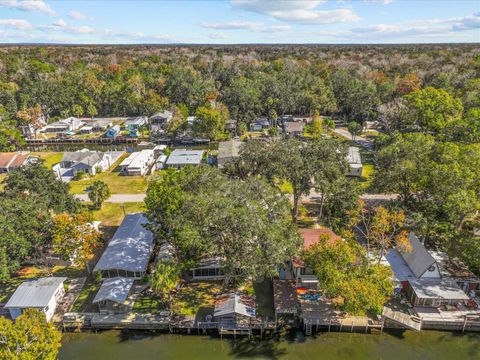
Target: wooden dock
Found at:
x=408, y=321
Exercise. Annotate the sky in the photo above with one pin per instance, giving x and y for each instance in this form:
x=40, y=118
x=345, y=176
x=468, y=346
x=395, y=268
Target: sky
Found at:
x=239, y=21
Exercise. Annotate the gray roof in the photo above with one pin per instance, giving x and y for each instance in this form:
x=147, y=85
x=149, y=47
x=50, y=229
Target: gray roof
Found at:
x=234, y=303
x=437, y=289
x=293, y=126
x=419, y=259
x=353, y=156
x=35, y=293
x=166, y=115
x=114, y=289
x=229, y=149
x=85, y=157
x=398, y=265
x=136, y=120
x=130, y=247
x=185, y=157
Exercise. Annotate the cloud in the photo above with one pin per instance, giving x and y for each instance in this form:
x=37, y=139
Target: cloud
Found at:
x=63, y=26
x=246, y=25
x=77, y=15
x=384, y=2
x=217, y=36
x=17, y=24
x=301, y=11
x=28, y=5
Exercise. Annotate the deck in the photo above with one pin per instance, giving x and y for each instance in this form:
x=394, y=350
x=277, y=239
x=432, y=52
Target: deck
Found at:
x=408, y=321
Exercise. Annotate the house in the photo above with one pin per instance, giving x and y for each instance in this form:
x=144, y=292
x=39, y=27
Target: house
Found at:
x=294, y=128
x=419, y=260
x=260, y=124
x=301, y=274
x=234, y=311
x=231, y=126
x=182, y=157
x=435, y=292
x=113, y=132
x=159, y=121
x=86, y=130
x=128, y=252
x=136, y=123
x=209, y=268
x=113, y=294
x=63, y=126
x=227, y=151
x=101, y=125
x=42, y=294
x=86, y=161
x=354, y=161
x=138, y=163
x=13, y=160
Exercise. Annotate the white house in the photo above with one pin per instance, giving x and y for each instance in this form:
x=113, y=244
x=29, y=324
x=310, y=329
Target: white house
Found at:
x=138, y=163
x=159, y=121
x=82, y=161
x=207, y=269
x=65, y=125
x=182, y=157
x=43, y=294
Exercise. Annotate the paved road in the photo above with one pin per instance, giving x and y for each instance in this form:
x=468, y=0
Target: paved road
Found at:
x=117, y=198
x=360, y=140
x=367, y=197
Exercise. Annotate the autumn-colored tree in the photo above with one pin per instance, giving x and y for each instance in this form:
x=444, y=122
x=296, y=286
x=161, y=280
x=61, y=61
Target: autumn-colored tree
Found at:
x=29, y=337
x=31, y=116
x=75, y=238
x=408, y=84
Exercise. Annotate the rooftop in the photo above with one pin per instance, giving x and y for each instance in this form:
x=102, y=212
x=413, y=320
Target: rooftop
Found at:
x=130, y=247
x=114, y=289
x=84, y=157
x=354, y=155
x=12, y=159
x=419, y=259
x=437, y=289
x=35, y=293
x=137, y=159
x=229, y=149
x=185, y=157
x=234, y=303
x=293, y=126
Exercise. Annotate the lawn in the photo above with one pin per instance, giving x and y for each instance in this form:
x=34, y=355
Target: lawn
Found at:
x=50, y=158
x=111, y=214
x=149, y=303
x=84, y=300
x=2, y=178
x=193, y=296
x=117, y=183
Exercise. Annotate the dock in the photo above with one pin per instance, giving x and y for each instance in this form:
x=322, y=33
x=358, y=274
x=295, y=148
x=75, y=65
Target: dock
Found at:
x=410, y=322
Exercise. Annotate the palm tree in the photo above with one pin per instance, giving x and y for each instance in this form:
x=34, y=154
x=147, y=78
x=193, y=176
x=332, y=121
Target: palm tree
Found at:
x=164, y=278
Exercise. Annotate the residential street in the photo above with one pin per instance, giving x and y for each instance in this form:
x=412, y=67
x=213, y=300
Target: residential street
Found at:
x=360, y=140
x=117, y=198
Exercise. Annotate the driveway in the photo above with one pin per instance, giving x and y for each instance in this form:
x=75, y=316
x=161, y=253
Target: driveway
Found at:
x=360, y=140
x=117, y=198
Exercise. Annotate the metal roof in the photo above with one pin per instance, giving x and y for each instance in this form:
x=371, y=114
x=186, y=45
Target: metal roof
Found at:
x=185, y=157
x=130, y=247
x=138, y=159
x=398, y=265
x=419, y=259
x=353, y=156
x=114, y=289
x=437, y=289
x=35, y=293
x=229, y=149
x=234, y=303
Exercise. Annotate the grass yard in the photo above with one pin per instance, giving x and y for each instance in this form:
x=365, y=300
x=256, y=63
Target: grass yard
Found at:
x=50, y=158
x=117, y=183
x=84, y=300
x=190, y=298
x=2, y=178
x=149, y=303
x=111, y=214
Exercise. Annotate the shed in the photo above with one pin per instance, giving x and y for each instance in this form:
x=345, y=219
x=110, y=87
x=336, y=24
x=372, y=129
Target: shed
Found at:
x=129, y=250
x=113, y=294
x=234, y=311
x=354, y=161
x=42, y=294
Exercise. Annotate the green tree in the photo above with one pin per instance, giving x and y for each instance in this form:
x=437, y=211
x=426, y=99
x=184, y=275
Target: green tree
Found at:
x=41, y=185
x=164, y=278
x=98, y=192
x=92, y=111
x=343, y=270
x=77, y=110
x=209, y=122
x=29, y=337
x=433, y=109
x=10, y=138
x=354, y=129
x=75, y=238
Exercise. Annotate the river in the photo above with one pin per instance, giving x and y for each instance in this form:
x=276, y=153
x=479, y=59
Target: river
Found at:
x=115, y=345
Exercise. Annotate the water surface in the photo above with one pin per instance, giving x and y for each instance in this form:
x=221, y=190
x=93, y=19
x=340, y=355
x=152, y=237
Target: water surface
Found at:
x=115, y=345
